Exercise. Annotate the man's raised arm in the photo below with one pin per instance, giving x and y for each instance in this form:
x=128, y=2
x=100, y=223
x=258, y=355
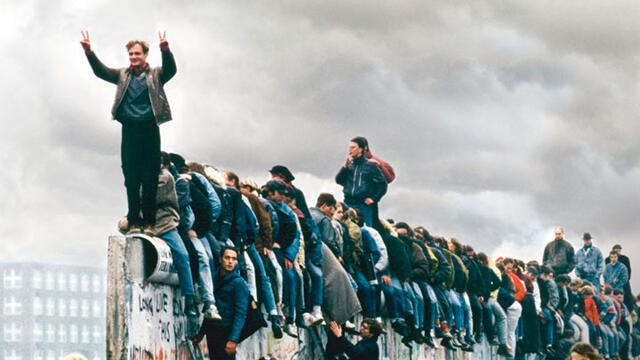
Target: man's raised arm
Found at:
x=168, y=62
x=103, y=72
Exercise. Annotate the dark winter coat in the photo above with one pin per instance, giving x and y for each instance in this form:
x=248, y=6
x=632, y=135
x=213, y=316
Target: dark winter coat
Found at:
x=362, y=179
x=560, y=256
x=232, y=300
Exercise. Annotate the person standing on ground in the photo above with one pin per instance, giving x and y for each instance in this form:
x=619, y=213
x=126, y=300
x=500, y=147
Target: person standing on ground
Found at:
x=140, y=105
x=232, y=294
x=365, y=349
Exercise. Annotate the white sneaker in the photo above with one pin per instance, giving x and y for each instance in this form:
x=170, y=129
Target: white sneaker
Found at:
x=211, y=313
x=291, y=330
x=318, y=316
x=349, y=325
x=308, y=320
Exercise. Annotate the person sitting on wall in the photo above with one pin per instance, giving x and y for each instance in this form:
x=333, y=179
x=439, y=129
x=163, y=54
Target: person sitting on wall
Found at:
x=365, y=349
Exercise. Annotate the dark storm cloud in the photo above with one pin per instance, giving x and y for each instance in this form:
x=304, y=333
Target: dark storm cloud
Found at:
x=502, y=119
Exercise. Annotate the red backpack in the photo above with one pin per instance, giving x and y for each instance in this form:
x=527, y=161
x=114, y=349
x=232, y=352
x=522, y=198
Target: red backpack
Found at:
x=385, y=167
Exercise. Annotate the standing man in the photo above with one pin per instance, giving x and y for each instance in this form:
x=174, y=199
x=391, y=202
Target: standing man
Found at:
x=589, y=262
x=232, y=294
x=140, y=105
x=616, y=273
x=559, y=254
x=362, y=181
x=365, y=349
x=628, y=295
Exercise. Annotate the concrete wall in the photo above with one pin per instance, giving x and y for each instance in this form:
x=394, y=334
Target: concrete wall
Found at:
x=145, y=319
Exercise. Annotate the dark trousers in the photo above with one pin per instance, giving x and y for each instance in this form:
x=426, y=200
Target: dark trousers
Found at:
x=217, y=337
x=140, y=155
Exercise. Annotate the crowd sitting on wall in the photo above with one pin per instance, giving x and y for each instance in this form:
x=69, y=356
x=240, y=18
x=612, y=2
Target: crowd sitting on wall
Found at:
x=335, y=261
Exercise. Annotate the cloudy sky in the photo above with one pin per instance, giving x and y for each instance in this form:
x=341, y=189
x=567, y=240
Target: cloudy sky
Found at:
x=502, y=119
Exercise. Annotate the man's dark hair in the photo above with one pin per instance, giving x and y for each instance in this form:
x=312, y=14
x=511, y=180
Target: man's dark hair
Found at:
x=326, y=199
x=546, y=270
x=179, y=162
x=608, y=290
x=232, y=248
x=374, y=327
x=274, y=185
x=164, y=158
x=143, y=44
x=361, y=142
x=231, y=176
x=564, y=278
x=405, y=226
x=482, y=257
x=613, y=252
x=618, y=292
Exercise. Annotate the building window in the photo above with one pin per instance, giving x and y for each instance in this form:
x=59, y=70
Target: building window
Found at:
x=96, y=309
x=37, y=306
x=51, y=333
x=12, y=332
x=96, y=283
x=73, y=334
x=37, y=332
x=51, y=307
x=12, y=355
x=12, y=306
x=73, y=308
x=96, y=334
x=73, y=282
x=85, y=334
x=62, y=307
x=12, y=279
x=50, y=281
x=84, y=283
x=62, y=281
x=62, y=333
x=37, y=280
x=85, y=308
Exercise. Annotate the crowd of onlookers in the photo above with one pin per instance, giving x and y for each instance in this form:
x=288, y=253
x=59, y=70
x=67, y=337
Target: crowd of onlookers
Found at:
x=240, y=244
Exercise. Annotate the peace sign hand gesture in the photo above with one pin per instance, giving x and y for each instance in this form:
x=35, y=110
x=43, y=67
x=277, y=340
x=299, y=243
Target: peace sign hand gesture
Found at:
x=85, y=42
x=164, y=44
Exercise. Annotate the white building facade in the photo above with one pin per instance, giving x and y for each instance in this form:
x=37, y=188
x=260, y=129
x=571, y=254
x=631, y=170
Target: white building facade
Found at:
x=48, y=311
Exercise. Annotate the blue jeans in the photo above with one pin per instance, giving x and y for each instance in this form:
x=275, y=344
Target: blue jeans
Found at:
x=291, y=283
x=499, y=320
x=315, y=275
x=180, y=261
x=466, y=315
x=394, y=299
x=198, y=254
x=430, y=304
x=458, y=313
x=366, y=294
x=417, y=301
x=548, y=327
x=365, y=210
x=262, y=278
